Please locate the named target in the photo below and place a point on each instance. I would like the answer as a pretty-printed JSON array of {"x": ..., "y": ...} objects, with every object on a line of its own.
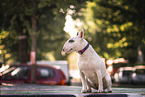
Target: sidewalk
[{"x": 32, "y": 90}]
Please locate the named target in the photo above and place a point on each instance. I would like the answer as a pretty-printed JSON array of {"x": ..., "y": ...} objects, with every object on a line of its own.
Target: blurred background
[{"x": 32, "y": 33}]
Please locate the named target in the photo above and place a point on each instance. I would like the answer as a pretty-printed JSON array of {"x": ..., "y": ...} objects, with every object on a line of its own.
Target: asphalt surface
[{"x": 33, "y": 90}]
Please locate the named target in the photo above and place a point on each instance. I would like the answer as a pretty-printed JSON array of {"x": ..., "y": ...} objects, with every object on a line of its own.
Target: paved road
[{"x": 33, "y": 90}]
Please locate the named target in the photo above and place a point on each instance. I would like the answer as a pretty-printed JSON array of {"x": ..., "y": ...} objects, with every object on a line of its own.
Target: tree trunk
[
  {"x": 23, "y": 49},
  {"x": 23, "y": 55},
  {"x": 34, "y": 40}
]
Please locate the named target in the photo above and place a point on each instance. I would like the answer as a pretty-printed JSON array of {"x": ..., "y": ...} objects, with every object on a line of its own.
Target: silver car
[
  {"x": 139, "y": 74},
  {"x": 123, "y": 75}
]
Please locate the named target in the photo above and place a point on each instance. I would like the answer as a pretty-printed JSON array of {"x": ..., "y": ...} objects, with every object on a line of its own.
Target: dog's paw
[
  {"x": 100, "y": 90},
  {"x": 86, "y": 91},
  {"x": 109, "y": 90}
]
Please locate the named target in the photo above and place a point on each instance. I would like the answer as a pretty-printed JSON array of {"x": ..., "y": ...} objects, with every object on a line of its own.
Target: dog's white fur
[{"x": 92, "y": 68}]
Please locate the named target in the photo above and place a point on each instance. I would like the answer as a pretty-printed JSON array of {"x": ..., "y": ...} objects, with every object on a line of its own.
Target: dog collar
[{"x": 83, "y": 50}]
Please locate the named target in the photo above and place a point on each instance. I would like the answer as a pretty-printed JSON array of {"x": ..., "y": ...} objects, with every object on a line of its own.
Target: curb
[
  {"x": 74, "y": 95},
  {"x": 32, "y": 90},
  {"x": 111, "y": 95}
]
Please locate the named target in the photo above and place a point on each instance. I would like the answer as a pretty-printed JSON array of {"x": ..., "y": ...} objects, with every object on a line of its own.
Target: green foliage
[
  {"x": 16, "y": 19},
  {"x": 116, "y": 26}
]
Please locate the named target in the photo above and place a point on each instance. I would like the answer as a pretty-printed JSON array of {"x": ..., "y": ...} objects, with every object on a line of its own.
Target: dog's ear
[{"x": 81, "y": 34}]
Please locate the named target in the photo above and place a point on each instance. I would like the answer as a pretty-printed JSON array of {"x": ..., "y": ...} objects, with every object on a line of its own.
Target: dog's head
[{"x": 75, "y": 43}]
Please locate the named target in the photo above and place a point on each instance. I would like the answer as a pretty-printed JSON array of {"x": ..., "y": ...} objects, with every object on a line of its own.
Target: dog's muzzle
[{"x": 67, "y": 51}]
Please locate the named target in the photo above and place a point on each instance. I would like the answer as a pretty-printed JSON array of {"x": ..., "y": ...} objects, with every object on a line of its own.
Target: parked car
[
  {"x": 45, "y": 74},
  {"x": 123, "y": 75},
  {"x": 64, "y": 66},
  {"x": 139, "y": 74}
]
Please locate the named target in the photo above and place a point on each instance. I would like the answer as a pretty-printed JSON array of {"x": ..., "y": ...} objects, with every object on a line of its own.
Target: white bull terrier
[{"x": 92, "y": 68}]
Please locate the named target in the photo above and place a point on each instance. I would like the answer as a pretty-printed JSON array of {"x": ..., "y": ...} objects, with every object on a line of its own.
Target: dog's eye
[{"x": 71, "y": 41}]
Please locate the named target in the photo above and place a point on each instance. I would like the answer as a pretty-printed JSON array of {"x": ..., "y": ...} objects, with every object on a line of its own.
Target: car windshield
[
  {"x": 16, "y": 73},
  {"x": 8, "y": 70},
  {"x": 140, "y": 71},
  {"x": 127, "y": 73}
]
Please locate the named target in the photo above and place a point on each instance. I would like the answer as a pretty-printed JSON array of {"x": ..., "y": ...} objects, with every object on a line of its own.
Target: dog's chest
[{"x": 87, "y": 69}]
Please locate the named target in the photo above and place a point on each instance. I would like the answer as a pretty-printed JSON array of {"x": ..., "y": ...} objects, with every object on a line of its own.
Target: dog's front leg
[
  {"x": 100, "y": 89},
  {"x": 85, "y": 86}
]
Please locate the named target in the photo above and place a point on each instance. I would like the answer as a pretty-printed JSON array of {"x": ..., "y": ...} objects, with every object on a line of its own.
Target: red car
[{"x": 45, "y": 74}]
